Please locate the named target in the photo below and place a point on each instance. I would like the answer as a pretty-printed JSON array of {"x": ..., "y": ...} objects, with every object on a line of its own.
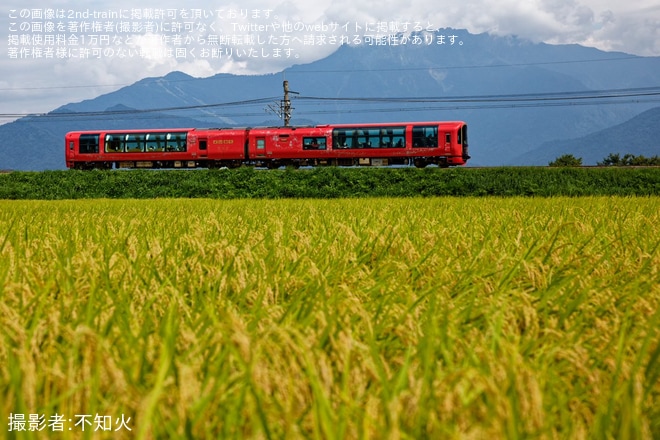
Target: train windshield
[
  {"x": 462, "y": 135},
  {"x": 88, "y": 144}
]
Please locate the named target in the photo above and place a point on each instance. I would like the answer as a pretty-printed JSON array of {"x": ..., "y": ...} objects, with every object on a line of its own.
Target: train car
[
  {"x": 225, "y": 147},
  {"x": 157, "y": 148},
  {"x": 409, "y": 143},
  {"x": 419, "y": 144},
  {"x": 296, "y": 146}
]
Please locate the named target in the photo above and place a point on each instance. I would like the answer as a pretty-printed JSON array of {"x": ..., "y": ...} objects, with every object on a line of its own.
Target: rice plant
[{"x": 344, "y": 318}]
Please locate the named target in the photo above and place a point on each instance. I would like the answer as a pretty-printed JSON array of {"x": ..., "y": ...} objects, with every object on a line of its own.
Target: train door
[
  {"x": 203, "y": 148},
  {"x": 261, "y": 147}
]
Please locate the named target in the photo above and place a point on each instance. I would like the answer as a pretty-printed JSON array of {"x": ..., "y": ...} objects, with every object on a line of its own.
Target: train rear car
[{"x": 157, "y": 148}]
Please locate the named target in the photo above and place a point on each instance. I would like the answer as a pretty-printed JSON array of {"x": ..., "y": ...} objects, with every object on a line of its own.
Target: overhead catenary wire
[
  {"x": 474, "y": 102},
  {"x": 550, "y": 96}
]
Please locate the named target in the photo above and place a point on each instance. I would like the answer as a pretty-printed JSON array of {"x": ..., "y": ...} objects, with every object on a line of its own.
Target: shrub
[{"x": 567, "y": 160}]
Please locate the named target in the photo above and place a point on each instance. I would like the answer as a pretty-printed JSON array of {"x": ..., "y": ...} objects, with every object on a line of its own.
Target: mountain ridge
[
  {"x": 362, "y": 83},
  {"x": 642, "y": 131}
]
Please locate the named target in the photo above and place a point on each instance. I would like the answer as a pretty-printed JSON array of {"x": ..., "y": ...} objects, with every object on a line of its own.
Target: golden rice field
[{"x": 456, "y": 318}]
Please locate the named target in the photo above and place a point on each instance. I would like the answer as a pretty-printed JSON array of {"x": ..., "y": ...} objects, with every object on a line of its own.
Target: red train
[{"x": 405, "y": 143}]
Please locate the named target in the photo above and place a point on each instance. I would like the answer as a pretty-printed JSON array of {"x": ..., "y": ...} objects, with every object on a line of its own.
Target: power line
[
  {"x": 92, "y": 86},
  {"x": 140, "y": 111},
  {"x": 550, "y": 99},
  {"x": 480, "y": 107},
  {"x": 549, "y": 96},
  {"x": 398, "y": 109},
  {"x": 473, "y": 66}
]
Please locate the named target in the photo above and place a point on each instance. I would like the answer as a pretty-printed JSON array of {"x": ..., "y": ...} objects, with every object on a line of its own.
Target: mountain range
[{"x": 525, "y": 103}]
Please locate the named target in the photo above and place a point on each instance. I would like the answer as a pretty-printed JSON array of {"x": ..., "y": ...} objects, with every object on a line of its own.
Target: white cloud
[{"x": 41, "y": 85}]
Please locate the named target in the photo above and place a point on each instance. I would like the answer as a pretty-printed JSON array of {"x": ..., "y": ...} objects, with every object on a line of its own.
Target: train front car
[
  {"x": 407, "y": 143},
  {"x": 440, "y": 143}
]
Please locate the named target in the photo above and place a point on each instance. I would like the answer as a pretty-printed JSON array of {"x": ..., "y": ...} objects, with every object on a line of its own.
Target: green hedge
[{"x": 331, "y": 182}]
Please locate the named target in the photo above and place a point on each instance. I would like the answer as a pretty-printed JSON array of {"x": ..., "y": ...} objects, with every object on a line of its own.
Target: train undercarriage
[{"x": 419, "y": 162}]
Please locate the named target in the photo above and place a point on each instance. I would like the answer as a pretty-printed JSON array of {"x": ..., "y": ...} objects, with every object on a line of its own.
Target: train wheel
[{"x": 420, "y": 163}]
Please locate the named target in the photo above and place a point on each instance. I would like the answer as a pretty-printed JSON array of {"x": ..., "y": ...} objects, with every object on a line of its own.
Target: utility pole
[
  {"x": 284, "y": 109},
  {"x": 286, "y": 105}
]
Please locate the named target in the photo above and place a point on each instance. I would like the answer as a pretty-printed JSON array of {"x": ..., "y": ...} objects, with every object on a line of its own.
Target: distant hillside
[
  {"x": 39, "y": 142},
  {"x": 638, "y": 136},
  {"x": 487, "y": 66}
]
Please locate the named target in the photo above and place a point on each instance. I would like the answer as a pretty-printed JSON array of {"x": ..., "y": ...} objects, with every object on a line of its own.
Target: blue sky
[{"x": 58, "y": 51}]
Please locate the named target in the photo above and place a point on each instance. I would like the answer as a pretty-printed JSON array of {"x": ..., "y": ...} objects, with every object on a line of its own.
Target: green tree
[
  {"x": 613, "y": 160},
  {"x": 629, "y": 160},
  {"x": 567, "y": 160}
]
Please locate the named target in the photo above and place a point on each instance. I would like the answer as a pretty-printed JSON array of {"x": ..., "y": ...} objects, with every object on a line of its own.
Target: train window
[
  {"x": 202, "y": 144},
  {"x": 342, "y": 138},
  {"x": 399, "y": 140},
  {"x": 261, "y": 143},
  {"x": 393, "y": 138},
  {"x": 425, "y": 136},
  {"x": 154, "y": 142},
  {"x": 134, "y": 143},
  {"x": 176, "y": 142},
  {"x": 88, "y": 144},
  {"x": 362, "y": 139},
  {"x": 314, "y": 143},
  {"x": 141, "y": 142},
  {"x": 377, "y": 137},
  {"x": 113, "y": 143},
  {"x": 385, "y": 140},
  {"x": 448, "y": 138}
]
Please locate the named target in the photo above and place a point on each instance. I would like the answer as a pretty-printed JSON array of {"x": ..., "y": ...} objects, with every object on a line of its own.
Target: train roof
[
  {"x": 132, "y": 130},
  {"x": 393, "y": 124},
  {"x": 295, "y": 127}
]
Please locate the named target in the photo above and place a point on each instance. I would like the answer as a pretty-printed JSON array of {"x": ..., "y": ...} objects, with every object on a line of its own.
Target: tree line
[{"x": 613, "y": 160}]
